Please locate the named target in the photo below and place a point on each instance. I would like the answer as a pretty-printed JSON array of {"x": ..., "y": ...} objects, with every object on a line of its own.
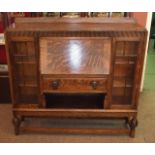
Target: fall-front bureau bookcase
[{"x": 87, "y": 68}]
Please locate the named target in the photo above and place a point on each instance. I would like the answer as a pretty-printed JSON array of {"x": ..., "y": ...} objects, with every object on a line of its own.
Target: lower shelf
[
  {"x": 22, "y": 124},
  {"x": 109, "y": 131},
  {"x": 108, "y": 128},
  {"x": 121, "y": 100}
]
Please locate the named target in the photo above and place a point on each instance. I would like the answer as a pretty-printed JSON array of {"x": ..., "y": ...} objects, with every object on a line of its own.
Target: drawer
[{"x": 74, "y": 85}]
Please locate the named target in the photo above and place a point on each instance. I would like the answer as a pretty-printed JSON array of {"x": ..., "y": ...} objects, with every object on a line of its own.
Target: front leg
[
  {"x": 16, "y": 122},
  {"x": 133, "y": 124}
]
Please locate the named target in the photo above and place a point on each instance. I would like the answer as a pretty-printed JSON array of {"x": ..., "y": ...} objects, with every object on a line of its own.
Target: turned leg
[
  {"x": 16, "y": 122},
  {"x": 126, "y": 120},
  {"x": 133, "y": 123}
]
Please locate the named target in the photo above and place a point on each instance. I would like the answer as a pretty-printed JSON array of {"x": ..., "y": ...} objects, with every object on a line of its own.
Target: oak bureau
[{"x": 76, "y": 68}]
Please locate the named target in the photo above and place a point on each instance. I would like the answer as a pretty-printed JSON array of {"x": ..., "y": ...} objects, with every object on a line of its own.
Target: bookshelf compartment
[
  {"x": 27, "y": 94},
  {"x": 126, "y": 48},
  {"x": 124, "y": 70}
]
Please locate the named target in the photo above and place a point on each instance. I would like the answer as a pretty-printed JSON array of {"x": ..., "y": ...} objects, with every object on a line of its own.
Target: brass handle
[
  {"x": 55, "y": 84},
  {"x": 94, "y": 84}
]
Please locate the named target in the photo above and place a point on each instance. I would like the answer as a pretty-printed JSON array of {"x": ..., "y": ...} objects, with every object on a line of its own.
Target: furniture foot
[
  {"x": 133, "y": 123},
  {"x": 16, "y": 122}
]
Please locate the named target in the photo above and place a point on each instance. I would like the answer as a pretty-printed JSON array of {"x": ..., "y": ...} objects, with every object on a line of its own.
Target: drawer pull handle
[
  {"x": 94, "y": 84},
  {"x": 55, "y": 84}
]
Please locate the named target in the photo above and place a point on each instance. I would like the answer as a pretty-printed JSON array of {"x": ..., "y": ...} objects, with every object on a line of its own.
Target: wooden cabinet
[{"x": 76, "y": 68}]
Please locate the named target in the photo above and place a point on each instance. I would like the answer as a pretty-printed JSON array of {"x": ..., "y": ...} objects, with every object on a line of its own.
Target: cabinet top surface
[
  {"x": 70, "y": 55},
  {"x": 76, "y": 24}
]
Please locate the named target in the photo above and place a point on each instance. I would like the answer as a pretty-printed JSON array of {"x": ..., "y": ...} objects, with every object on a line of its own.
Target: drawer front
[{"x": 77, "y": 85}]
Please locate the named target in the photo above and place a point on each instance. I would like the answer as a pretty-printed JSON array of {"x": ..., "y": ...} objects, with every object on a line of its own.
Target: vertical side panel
[
  {"x": 23, "y": 62},
  {"x": 127, "y": 60}
]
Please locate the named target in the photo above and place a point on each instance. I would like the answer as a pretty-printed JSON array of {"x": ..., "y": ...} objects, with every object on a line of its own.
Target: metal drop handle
[
  {"x": 94, "y": 84},
  {"x": 55, "y": 84}
]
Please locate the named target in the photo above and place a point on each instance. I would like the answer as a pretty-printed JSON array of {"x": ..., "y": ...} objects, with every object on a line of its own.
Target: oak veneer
[{"x": 76, "y": 56}]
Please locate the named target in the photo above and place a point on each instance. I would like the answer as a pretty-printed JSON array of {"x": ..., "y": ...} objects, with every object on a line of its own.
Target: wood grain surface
[
  {"x": 43, "y": 51},
  {"x": 75, "y": 55}
]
